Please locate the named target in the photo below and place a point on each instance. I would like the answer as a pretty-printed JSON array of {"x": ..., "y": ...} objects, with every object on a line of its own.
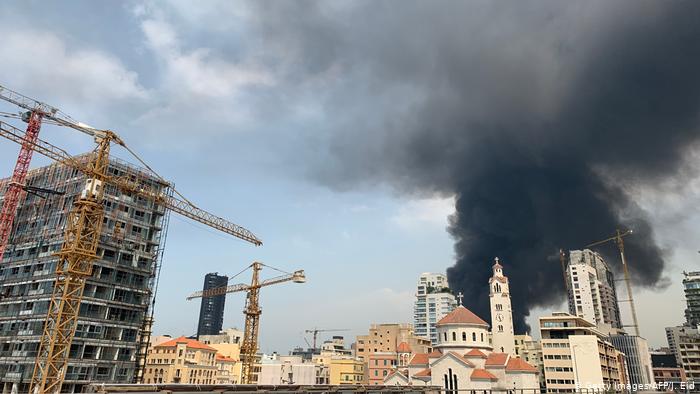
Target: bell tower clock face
[{"x": 499, "y": 317}]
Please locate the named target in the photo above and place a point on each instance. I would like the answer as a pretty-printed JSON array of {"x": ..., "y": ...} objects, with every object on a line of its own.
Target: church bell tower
[{"x": 501, "y": 311}]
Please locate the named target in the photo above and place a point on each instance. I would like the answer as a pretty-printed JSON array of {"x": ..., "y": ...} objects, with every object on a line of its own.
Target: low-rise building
[
  {"x": 346, "y": 370},
  {"x": 228, "y": 370},
  {"x": 530, "y": 351},
  {"x": 283, "y": 370},
  {"x": 577, "y": 356},
  {"x": 181, "y": 360},
  {"x": 229, "y": 335},
  {"x": 386, "y": 337},
  {"x": 379, "y": 366}
]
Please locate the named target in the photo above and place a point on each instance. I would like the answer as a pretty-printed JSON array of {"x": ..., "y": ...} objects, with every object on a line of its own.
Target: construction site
[{"x": 82, "y": 241}]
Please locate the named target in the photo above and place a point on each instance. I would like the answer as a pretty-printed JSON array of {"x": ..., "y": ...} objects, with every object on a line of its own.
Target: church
[{"x": 468, "y": 356}]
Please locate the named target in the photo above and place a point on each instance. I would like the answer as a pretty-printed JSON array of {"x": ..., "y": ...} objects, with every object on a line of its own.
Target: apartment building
[
  {"x": 181, "y": 360},
  {"x": 387, "y": 337},
  {"x": 113, "y": 327},
  {"x": 591, "y": 289},
  {"x": 691, "y": 288},
  {"x": 577, "y": 356},
  {"x": 346, "y": 370},
  {"x": 689, "y": 353},
  {"x": 283, "y": 370},
  {"x": 434, "y": 300},
  {"x": 379, "y": 366}
]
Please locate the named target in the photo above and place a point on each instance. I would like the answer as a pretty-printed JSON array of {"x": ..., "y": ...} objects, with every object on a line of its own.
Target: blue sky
[{"x": 246, "y": 128}]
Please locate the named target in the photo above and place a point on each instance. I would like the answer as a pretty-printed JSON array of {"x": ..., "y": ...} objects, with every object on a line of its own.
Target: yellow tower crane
[
  {"x": 81, "y": 239},
  {"x": 617, "y": 238},
  {"x": 249, "y": 347}
]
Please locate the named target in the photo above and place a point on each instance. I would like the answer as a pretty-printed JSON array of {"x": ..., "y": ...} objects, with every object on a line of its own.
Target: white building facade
[
  {"x": 501, "y": 311},
  {"x": 434, "y": 300},
  {"x": 591, "y": 289},
  {"x": 463, "y": 360}
]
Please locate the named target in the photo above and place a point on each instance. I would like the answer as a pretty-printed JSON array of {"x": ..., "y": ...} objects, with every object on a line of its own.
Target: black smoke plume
[{"x": 538, "y": 116}]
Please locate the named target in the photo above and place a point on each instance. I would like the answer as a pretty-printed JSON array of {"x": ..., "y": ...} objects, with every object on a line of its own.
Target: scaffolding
[{"x": 116, "y": 313}]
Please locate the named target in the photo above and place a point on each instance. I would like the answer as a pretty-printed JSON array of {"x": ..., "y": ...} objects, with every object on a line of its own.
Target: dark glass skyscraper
[{"x": 211, "y": 312}]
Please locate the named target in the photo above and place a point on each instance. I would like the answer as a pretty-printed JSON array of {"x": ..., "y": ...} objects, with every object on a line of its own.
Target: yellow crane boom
[{"x": 249, "y": 347}]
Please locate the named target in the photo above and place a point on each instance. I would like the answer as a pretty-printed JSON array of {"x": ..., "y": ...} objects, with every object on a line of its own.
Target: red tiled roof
[
  {"x": 220, "y": 357},
  {"x": 191, "y": 343},
  {"x": 518, "y": 364},
  {"x": 462, "y": 315},
  {"x": 476, "y": 353},
  {"x": 419, "y": 359},
  {"x": 403, "y": 348},
  {"x": 435, "y": 354},
  {"x": 423, "y": 373},
  {"x": 496, "y": 360},
  {"x": 459, "y": 356},
  {"x": 482, "y": 374}
]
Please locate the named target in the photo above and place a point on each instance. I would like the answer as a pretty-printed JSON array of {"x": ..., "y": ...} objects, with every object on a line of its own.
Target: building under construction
[{"x": 114, "y": 324}]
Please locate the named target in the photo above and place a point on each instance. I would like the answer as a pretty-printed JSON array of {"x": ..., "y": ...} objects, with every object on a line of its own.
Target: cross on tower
[{"x": 459, "y": 297}]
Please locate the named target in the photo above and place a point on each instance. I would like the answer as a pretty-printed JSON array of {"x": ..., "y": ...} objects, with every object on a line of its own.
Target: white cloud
[
  {"x": 431, "y": 212},
  {"x": 198, "y": 71},
  {"x": 41, "y": 62}
]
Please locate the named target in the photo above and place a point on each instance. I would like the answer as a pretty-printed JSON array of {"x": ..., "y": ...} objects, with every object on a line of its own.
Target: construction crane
[
  {"x": 617, "y": 238},
  {"x": 315, "y": 332},
  {"x": 36, "y": 112},
  {"x": 252, "y": 311},
  {"x": 79, "y": 248}
]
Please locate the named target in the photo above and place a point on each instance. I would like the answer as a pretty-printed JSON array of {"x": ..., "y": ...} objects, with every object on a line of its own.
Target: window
[
  {"x": 464, "y": 336},
  {"x": 454, "y": 336},
  {"x": 474, "y": 336},
  {"x": 500, "y": 328},
  {"x": 482, "y": 337}
]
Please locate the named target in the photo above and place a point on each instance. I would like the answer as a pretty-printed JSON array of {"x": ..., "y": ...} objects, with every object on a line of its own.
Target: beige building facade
[
  {"x": 577, "y": 356},
  {"x": 181, "y": 360},
  {"x": 384, "y": 338}
]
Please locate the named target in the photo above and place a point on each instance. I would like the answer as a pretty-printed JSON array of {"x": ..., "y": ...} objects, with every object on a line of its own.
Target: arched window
[
  {"x": 500, "y": 328},
  {"x": 444, "y": 334},
  {"x": 474, "y": 336},
  {"x": 501, "y": 349},
  {"x": 482, "y": 337},
  {"x": 454, "y": 336},
  {"x": 464, "y": 336}
]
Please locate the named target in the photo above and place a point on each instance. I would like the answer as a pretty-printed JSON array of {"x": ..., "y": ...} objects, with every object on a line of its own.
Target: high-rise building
[
  {"x": 434, "y": 300},
  {"x": 110, "y": 335},
  {"x": 577, "y": 356},
  {"x": 591, "y": 286},
  {"x": 211, "y": 311},
  {"x": 637, "y": 357},
  {"x": 501, "y": 311},
  {"x": 691, "y": 286}
]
